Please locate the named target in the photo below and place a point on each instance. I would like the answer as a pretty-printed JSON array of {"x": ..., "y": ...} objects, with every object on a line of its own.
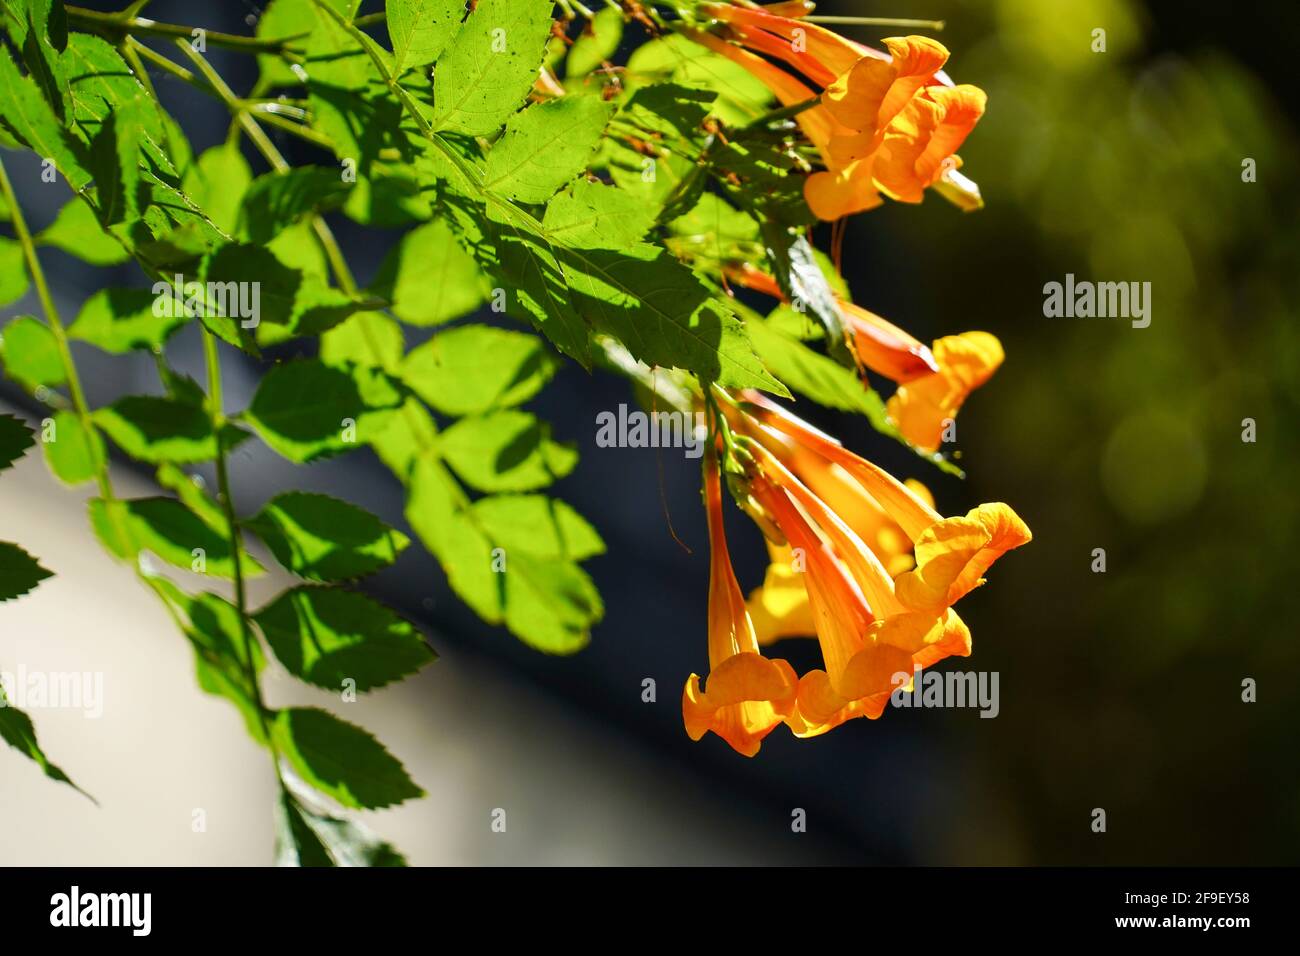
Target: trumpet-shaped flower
[
  {"x": 922, "y": 405},
  {"x": 872, "y": 621},
  {"x": 888, "y": 123},
  {"x": 745, "y": 695}
]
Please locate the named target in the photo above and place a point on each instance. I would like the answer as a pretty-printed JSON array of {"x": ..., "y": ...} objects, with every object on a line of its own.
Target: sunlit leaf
[
  {"x": 326, "y": 539},
  {"x": 31, "y": 353},
  {"x": 154, "y": 429},
  {"x": 428, "y": 277},
  {"x": 119, "y": 320},
  {"x": 546, "y": 146},
  {"x": 475, "y": 368},
  {"x": 74, "y": 453},
  {"x": 340, "y": 759},
  {"x": 419, "y": 30},
  {"x": 167, "y": 528},
  {"x": 490, "y": 66},
  {"x": 307, "y": 410},
  {"x": 326, "y": 636},
  {"x": 77, "y": 232},
  {"x": 506, "y": 451}
]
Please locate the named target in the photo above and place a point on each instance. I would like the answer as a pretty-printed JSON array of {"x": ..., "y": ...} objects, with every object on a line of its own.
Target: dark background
[{"x": 1120, "y": 690}]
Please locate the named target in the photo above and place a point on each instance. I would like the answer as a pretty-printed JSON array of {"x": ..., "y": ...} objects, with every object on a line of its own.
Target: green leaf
[
  {"x": 18, "y": 731},
  {"x": 100, "y": 83},
  {"x": 388, "y": 195},
  {"x": 280, "y": 20},
  {"x": 275, "y": 201},
  {"x": 325, "y": 539},
  {"x": 491, "y": 65},
  {"x": 19, "y": 572},
  {"x": 545, "y": 527},
  {"x": 317, "y": 308},
  {"x": 410, "y": 432},
  {"x": 671, "y": 110},
  {"x": 237, "y": 272},
  {"x": 297, "y": 248},
  {"x": 168, "y": 529},
  {"x": 550, "y": 605},
  {"x": 419, "y": 30},
  {"x": 815, "y": 376},
  {"x": 307, "y": 410},
  {"x": 154, "y": 429},
  {"x": 530, "y": 267},
  {"x": 73, "y": 453},
  {"x": 31, "y": 353},
  {"x": 596, "y": 44},
  {"x": 119, "y": 320},
  {"x": 546, "y": 146},
  {"x": 296, "y": 843},
  {"x": 802, "y": 280},
  {"x": 340, "y": 759},
  {"x": 326, "y": 636},
  {"x": 475, "y": 368},
  {"x": 542, "y": 597},
  {"x": 347, "y": 101},
  {"x": 661, "y": 311},
  {"x": 46, "y": 35},
  {"x": 506, "y": 451},
  {"x": 27, "y": 115},
  {"x": 592, "y": 215},
  {"x": 15, "y": 439},
  {"x": 717, "y": 232},
  {"x": 305, "y": 837},
  {"x": 217, "y": 183},
  {"x": 333, "y": 56},
  {"x": 370, "y": 339},
  {"x": 428, "y": 277},
  {"x": 77, "y": 232},
  {"x": 115, "y": 160},
  {"x": 189, "y": 489},
  {"x": 741, "y": 97},
  {"x": 13, "y": 271},
  {"x": 215, "y": 631}
]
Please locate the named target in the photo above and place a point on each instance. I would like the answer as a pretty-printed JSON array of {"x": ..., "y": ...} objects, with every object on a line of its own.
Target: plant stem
[
  {"x": 115, "y": 26},
  {"x": 52, "y": 317},
  {"x": 876, "y": 22},
  {"x": 217, "y": 415}
]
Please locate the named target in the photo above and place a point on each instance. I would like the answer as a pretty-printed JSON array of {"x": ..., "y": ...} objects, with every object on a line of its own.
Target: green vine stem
[
  {"x": 52, "y": 318},
  {"x": 217, "y": 415},
  {"x": 116, "y": 25}
]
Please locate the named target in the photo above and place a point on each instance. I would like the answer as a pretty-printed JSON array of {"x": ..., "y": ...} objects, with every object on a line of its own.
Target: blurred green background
[{"x": 1122, "y": 690}]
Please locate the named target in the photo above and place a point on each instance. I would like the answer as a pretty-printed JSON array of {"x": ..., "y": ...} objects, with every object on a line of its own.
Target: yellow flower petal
[
  {"x": 952, "y": 555},
  {"x": 920, "y": 407}
]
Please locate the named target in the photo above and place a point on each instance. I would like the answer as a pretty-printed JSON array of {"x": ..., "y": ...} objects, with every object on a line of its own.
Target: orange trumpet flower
[
  {"x": 746, "y": 695},
  {"x": 879, "y": 611},
  {"x": 888, "y": 123}
]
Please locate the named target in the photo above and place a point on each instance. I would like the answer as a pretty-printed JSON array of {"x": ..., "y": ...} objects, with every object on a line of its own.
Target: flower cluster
[
  {"x": 885, "y": 122},
  {"x": 859, "y": 559}
]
